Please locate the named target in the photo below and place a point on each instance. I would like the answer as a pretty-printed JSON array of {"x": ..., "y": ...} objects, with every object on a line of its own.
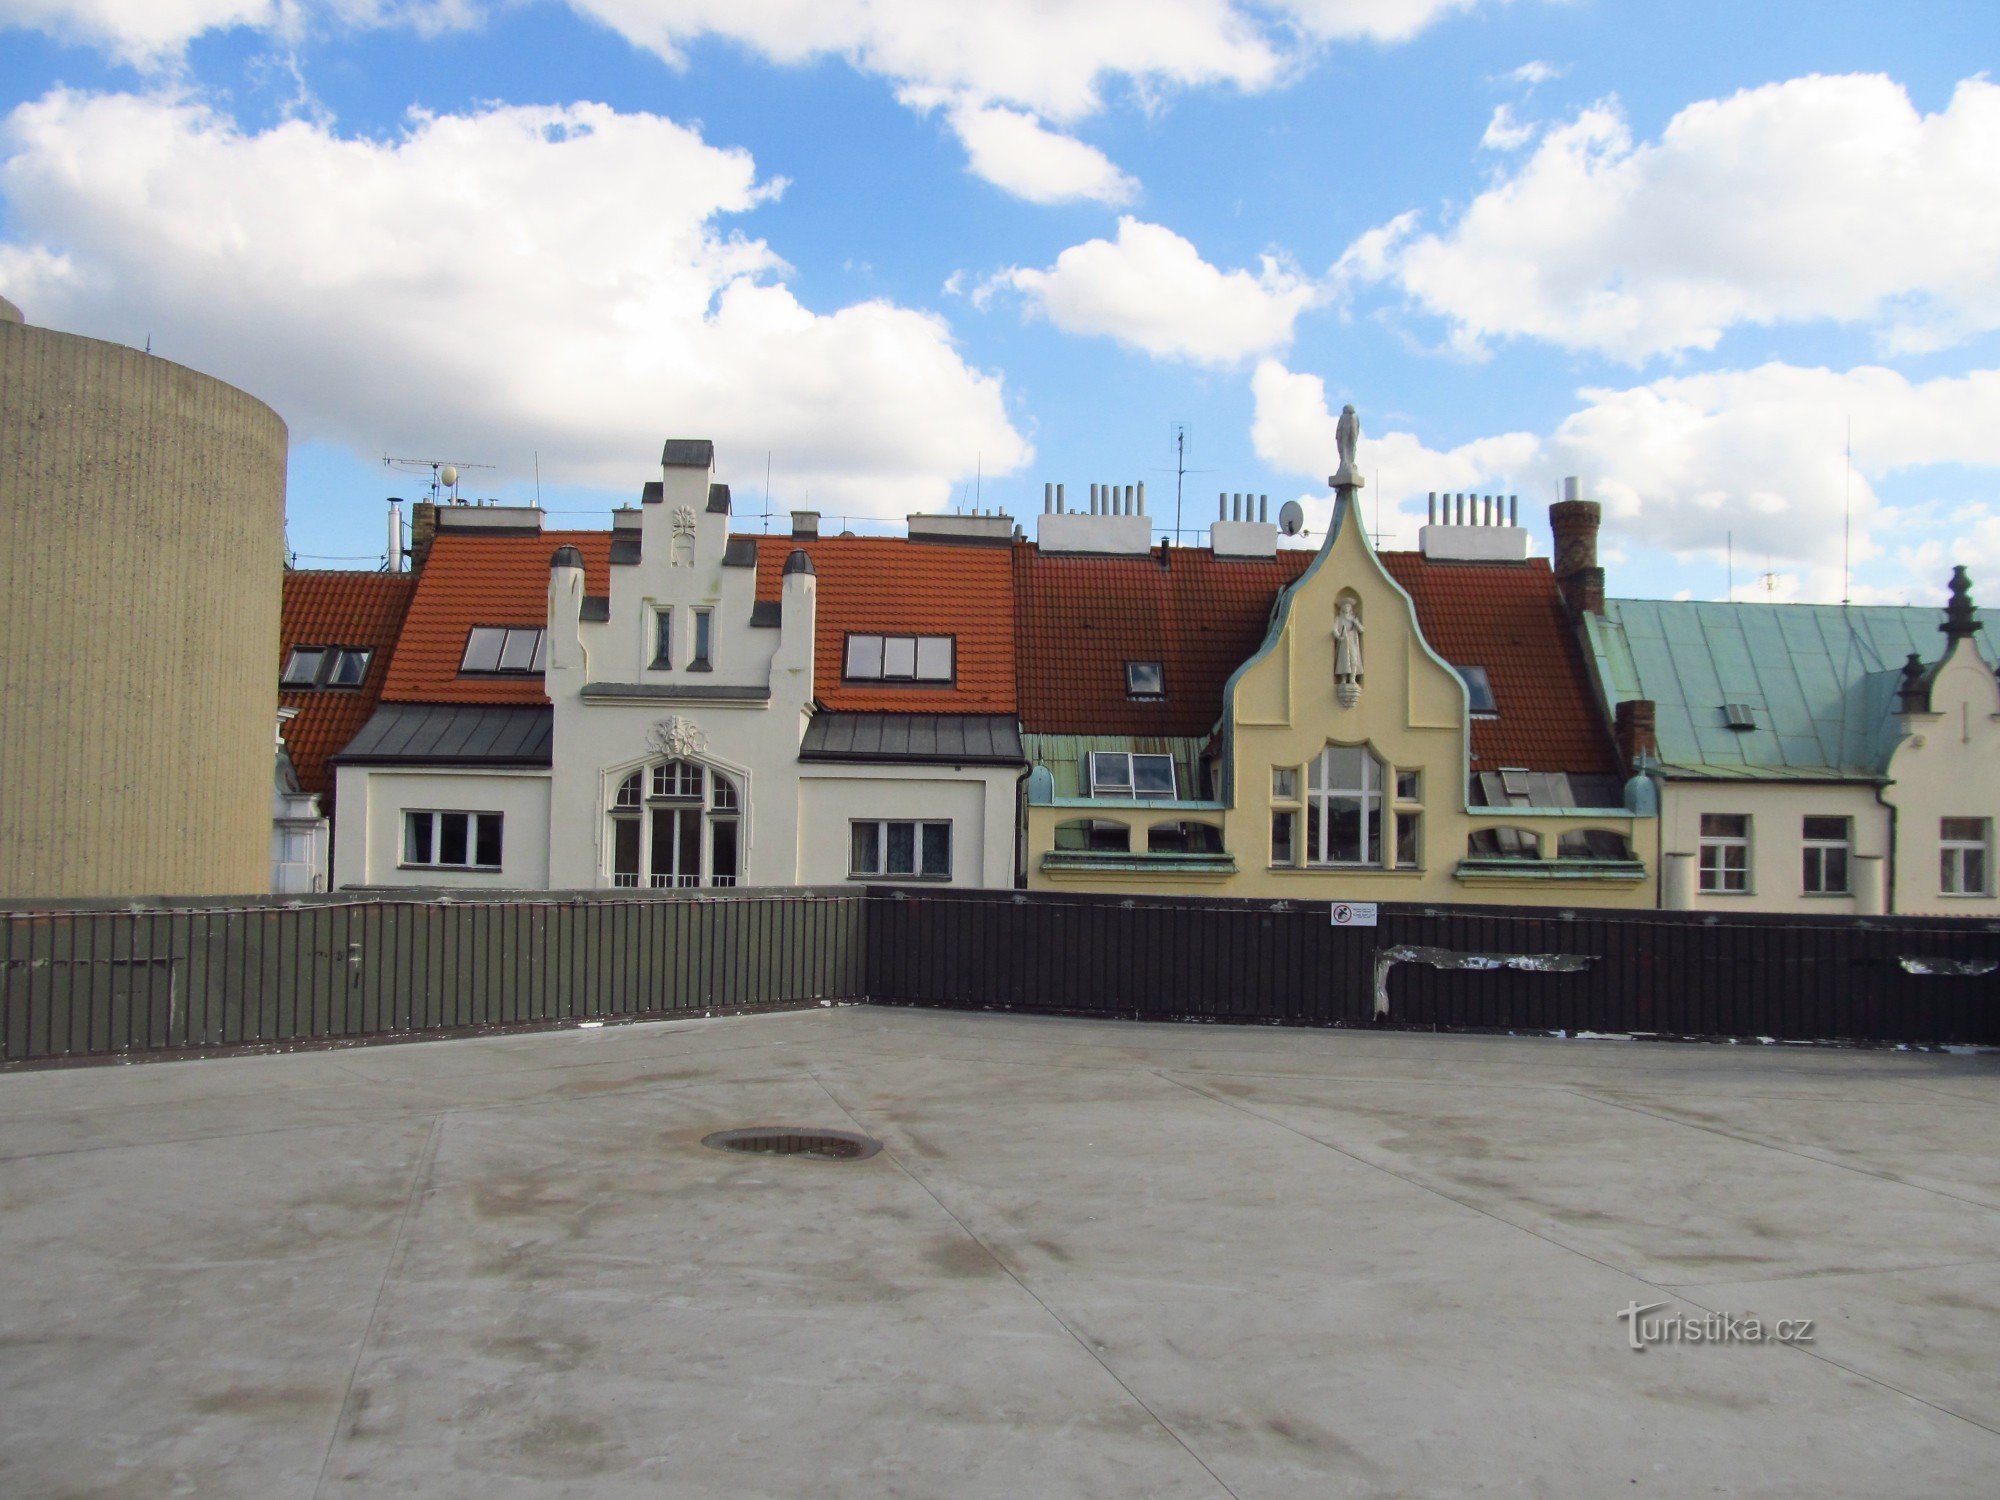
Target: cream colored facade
[
  {"x": 1282, "y": 708},
  {"x": 142, "y": 519},
  {"x": 1947, "y": 765},
  {"x": 1776, "y": 813}
]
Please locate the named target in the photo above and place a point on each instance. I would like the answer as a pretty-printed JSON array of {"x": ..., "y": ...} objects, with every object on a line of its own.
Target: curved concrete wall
[{"x": 142, "y": 537}]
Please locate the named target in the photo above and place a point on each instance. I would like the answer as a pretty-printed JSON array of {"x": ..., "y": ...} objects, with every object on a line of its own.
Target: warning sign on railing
[{"x": 1354, "y": 913}]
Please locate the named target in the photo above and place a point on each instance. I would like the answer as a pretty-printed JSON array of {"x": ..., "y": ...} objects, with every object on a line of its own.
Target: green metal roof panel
[{"x": 1821, "y": 679}]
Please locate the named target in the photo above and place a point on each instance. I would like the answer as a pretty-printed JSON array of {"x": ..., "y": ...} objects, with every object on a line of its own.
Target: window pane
[
  {"x": 628, "y": 792},
  {"x": 1826, "y": 828},
  {"x": 541, "y": 661},
  {"x": 1409, "y": 786},
  {"x": 1345, "y": 767},
  {"x": 1409, "y": 839},
  {"x": 1144, "y": 679},
  {"x": 1836, "y": 870},
  {"x": 1963, "y": 830},
  {"x": 687, "y": 864},
  {"x": 934, "y": 658},
  {"x": 1285, "y": 783},
  {"x": 416, "y": 838},
  {"x": 661, "y": 865},
  {"x": 865, "y": 857},
  {"x": 482, "y": 649},
  {"x": 1110, "y": 772},
  {"x": 902, "y": 849},
  {"x": 864, "y": 656},
  {"x": 452, "y": 840},
  {"x": 1315, "y": 851},
  {"x": 349, "y": 668},
  {"x": 1975, "y": 871},
  {"x": 725, "y": 791},
  {"x": 487, "y": 849},
  {"x": 1343, "y": 833},
  {"x": 1724, "y": 825},
  {"x": 1152, "y": 776},
  {"x": 1282, "y": 826},
  {"x": 624, "y": 851},
  {"x": 937, "y": 848},
  {"x": 1478, "y": 689},
  {"x": 899, "y": 656},
  {"x": 517, "y": 654},
  {"x": 699, "y": 656},
  {"x": 302, "y": 670},
  {"x": 722, "y": 850},
  {"x": 663, "y": 638}
]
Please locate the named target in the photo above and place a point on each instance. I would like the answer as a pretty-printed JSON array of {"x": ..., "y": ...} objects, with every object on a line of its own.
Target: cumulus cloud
[
  {"x": 1371, "y": 20},
  {"x": 549, "y": 278},
  {"x": 144, "y": 33},
  {"x": 1683, "y": 463},
  {"x": 1816, "y": 198},
  {"x": 1017, "y": 153},
  {"x": 1151, "y": 290},
  {"x": 1505, "y": 133}
]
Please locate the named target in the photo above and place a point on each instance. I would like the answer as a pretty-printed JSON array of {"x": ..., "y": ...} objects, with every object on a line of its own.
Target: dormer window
[
  {"x": 1114, "y": 773},
  {"x": 505, "y": 650},
  {"x": 325, "y": 667},
  {"x": 900, "y": 658},
  {"x": 1145, "y": 679},
  {"x": 1479, "y": 691}
]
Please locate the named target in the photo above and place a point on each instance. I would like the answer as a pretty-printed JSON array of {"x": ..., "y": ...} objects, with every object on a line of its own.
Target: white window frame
[
  {"x": 434, "y": 816},
  {"x": 1712, "y": 876},
  {"x": 538, "y": 651},
  {"x": 1813, "y": 855},
  {"x": 663, "y": 639},
  {"x": 1955, "y": 855},
  {"x": 919, "y": 829},
  {"x": 865, "y": 658},
  {"x": 1322, "y": 795},
  {"x": 1103, "y": 783},
  {"x": 327, "y": 662},
  {"x": 1139, "y": 672},
  {"x": 713, "y": 794}
]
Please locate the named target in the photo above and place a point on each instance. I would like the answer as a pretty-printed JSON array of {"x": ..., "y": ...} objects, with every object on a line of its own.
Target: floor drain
[{"x": 780, "y": 1140}]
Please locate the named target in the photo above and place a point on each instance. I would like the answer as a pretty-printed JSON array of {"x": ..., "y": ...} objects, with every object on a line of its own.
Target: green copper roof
[{"x": 1819, "y": 678}]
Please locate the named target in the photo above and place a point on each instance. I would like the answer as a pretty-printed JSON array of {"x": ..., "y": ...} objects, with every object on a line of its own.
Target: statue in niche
[
  {"x": 1347, "y": 632},
  {"x": 680, "y": 551}
]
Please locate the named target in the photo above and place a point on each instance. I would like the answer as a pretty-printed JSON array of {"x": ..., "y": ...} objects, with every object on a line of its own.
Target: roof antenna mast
[
  {"x": 1180, "y": 473},
  {"x": 1847, "y": 520}
]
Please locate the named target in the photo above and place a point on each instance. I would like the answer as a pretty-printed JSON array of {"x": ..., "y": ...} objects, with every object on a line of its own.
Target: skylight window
[
  {"x": 325, "y": 666},
  {"x": 1479, "y": 690},
  {"x": 899, "y": 658},
  {"x": 510, "y": 650},
  {"x": 1145, "y": 679},
  {"x": 1739, "y": 716}
]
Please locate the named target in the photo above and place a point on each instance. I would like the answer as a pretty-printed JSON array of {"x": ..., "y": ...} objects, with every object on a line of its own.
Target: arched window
[
  {"x": 673, "y": 824},
  {"x": 1344, "y": 807}
]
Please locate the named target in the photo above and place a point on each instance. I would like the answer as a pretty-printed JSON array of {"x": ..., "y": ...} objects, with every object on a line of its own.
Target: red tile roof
[
  {"x": 888, "y": 585},
  {"x": 323, "y": 608},
  {"x": 469, "y": 580},
  {"x": 1080, "y": 619},
  {"x": 1509, "y": 618},
  {"x": 864, "y": 584}
]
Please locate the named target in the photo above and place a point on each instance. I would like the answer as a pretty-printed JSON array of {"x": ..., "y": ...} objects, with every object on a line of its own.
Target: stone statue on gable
[{"x": 1347, "y": 633}]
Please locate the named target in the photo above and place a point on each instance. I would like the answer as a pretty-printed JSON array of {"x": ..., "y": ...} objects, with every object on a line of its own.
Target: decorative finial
[
  {"x": 1961, "y": 615},
  {"x": 1347, "y": 435},
  {"x": 1914, "y": 691}
]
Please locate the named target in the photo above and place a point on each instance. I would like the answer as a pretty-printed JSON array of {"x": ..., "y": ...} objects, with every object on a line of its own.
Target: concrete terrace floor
[{"x": 1095, "y": 1259}]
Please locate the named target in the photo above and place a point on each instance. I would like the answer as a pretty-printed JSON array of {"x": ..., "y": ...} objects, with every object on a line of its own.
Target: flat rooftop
[{"x": 1093, "y": 1259}]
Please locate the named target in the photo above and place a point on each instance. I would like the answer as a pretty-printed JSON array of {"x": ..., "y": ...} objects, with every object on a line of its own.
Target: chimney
[
  {"x": 1632, "y": 728},
  {"x": 805, "y": 525},
  {"x": 395, "y": 534},
  {"x": 423, "y": 531},
  {"x": 1574, "y": 522},
  {"x": 565, "y": 617}
]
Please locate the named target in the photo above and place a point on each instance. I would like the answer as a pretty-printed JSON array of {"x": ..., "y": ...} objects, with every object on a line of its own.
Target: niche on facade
[
  {"x": 1184, "y": 838},
  {"x": 1094, "y": 835},
  {"x": 1347, "y": 654}
]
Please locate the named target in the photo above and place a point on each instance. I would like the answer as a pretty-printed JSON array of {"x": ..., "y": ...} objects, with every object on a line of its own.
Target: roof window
[
  {"x": 1114, "y": 773},
  {"x": 899, "y": 658},
  {"x": 1739, "y": 716},
  {"x": 325, "y": 666},
  {"x": 1145, "y": 679},
  {"x": 505, "y": 650},
  {"x": 1479, "y": 690}
]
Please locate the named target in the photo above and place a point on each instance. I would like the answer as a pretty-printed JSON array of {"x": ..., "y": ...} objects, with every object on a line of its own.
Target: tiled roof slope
[
  {"x": 471, "y": 580},
  {"x": 1509, "y": 618},
  {"x": 326, "y": 608},
  {"x": 1080, "y": 619},
  {"x": 1821, "y": 679},
  {"x": 889, "y": 585}
]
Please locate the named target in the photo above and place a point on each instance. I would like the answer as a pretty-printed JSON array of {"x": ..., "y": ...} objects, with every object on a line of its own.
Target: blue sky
[{"x": 909, "y": 251}]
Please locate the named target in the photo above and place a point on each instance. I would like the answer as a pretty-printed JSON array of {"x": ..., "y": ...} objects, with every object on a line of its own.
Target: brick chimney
[
  {"x": 1632, "y": 728},
  {"x": 423, "y": 531},
  {"x": 1574, "y": 521}
]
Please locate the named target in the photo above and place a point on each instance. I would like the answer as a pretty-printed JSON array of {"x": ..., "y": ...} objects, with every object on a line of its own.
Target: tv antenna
[
  {"x": 1847, "y": 521},
  {"x": 445, "y": 474},
  {"x": 1181, "y": 471}
]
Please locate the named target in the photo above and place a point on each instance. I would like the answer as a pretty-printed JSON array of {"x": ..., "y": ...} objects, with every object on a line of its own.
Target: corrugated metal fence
[{"x": 109, "y": 978}]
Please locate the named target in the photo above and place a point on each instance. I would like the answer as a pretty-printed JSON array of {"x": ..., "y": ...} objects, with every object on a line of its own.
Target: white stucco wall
[
  {"x": 368, "y": 839},
  {"x": 978, "y": 801},
  {"x": 1777, "y": 811},
  {"x": 1947, "y": 766}
]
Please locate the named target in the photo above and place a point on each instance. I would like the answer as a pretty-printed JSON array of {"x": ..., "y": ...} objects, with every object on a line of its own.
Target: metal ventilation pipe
[
  {"x": 1432, "y": 509},
  {"x": 1131, "y": 502},
  {"x": 1142, "y": 497},
  {"x": 1061, "y": 504},
  {"x": 1513, "y": 510},
  {"x": 1264, "y": 508},
  {"x": 1222, "y": 506}
]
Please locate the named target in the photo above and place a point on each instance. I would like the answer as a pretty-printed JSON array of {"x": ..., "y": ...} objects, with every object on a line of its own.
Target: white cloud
[
  {"x": 1817, "y": 198},
  {"x": 1373, "y": 20},
  {"x": 144, "y": 33},
  {"x": 1293, "y": 430},
  {"x": 1683, "y": 463},
  {"x": 524, "y": 278},
  {"x": 1505, "y": 133},
  {"x": 1018, "y": 154},
  {"x": 1534, "y": 73},
  {"x": 1151, "y": 290}
]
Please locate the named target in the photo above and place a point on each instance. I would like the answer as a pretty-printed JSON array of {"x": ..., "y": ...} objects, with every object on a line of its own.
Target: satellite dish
[
  {"x": 1291, "y": 518},
  {"x": 448, "y": 475}
]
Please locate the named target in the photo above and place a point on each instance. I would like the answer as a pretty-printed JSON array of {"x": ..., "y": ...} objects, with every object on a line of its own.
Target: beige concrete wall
[
  {"x": 368, "y": 842},
  {"x": 1777, "y": 811},
  {"x": 142, "y": 527},
  {"x": 978, "y": 801},
  {"x": 1948, "y": 766}
]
